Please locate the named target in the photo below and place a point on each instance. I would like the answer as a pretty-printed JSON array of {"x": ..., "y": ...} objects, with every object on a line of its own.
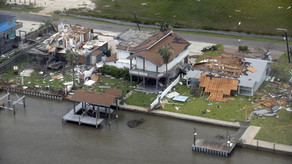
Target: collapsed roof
[
  {"x": 218, "y": 87},
  {"x": 223, "y": 65}
]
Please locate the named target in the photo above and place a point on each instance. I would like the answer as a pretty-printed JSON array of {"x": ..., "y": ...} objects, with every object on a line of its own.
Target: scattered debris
[{"x": 180, "y": 98}]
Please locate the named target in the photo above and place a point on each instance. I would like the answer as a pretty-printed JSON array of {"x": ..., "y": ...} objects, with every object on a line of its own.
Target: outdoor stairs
[{"x": 235, "y": 138}]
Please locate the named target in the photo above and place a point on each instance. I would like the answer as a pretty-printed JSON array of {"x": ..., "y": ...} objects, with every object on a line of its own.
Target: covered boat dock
[{"x": 91, "y": 105}]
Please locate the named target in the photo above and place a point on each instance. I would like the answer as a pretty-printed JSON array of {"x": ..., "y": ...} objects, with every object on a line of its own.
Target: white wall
[
  {"x": 149, "y": 66},
  {"x": 121, "y": 54}
]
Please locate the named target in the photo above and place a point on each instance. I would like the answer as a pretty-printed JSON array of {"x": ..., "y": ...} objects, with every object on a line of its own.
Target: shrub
[
  {"x": 210, "y": 48},
  {"x": 243, "y": 48},
  {"x": 115, "y": 72}
]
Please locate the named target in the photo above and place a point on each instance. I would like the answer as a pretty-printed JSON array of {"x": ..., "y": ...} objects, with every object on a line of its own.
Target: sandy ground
[
  {"x": 28, "y": 26},
  {"x": 53, "y": 5}
]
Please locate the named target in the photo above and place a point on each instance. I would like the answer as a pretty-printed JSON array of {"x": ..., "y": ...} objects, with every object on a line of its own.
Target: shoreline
[{"x": 247, "y": 138}]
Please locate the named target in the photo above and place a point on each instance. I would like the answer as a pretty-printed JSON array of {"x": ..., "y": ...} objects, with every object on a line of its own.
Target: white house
[{"x": 138, "y": 51}]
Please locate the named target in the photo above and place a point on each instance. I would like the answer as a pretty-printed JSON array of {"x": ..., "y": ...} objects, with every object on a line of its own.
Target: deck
[
  {"x": 215, "y": 148},
  {"x": 82, "y": 119}
]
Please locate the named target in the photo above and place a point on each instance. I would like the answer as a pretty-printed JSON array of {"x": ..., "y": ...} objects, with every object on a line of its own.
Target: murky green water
[{"x": 37, "y": 135}]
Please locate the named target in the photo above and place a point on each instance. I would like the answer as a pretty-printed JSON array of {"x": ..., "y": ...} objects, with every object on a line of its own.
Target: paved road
[{"x": 119, "y": 28}]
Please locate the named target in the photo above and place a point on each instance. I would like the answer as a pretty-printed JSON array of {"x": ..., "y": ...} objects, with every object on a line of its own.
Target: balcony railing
[{"x": 139, "y": 72}]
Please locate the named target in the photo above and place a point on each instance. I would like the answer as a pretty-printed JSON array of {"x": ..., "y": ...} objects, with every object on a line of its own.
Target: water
[{"x": 37, "y": 135}]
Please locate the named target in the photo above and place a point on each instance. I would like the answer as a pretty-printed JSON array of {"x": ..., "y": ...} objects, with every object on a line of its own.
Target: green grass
[
  {"x": 262, "y": 16},
  {"x": 141, "y": 99},
  {"x": 211, "y": 53},
  {"x": 6, "y": 58},
  {"x": 57, "y": 84},
  {"x": 112, "y": 82},
  {"x": 178, "y": 31},
  {"x": 278, "y": 130},
  {"x": 228, "y": 111},
  {"x": 21, "y": 8},
  {"x": 281, "y": 68}
]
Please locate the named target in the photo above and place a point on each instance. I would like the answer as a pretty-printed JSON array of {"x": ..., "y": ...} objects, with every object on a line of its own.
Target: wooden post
[
  {"x": 95, "y": 117},
  {"x": 9, "y": 100},
  {"x": 23, "y": 101},
  {"x": 98, "y": 115},
  {"x": 74, "y": 107},
  {"x": 109, "y": 115},
  {"x": 195, "y": 135},
  {"x": 13, "y": 109},
  {"x": 117, "y": 108}
]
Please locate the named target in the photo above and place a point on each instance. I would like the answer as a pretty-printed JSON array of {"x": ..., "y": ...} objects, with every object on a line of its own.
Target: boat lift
[{"x": 9, "y": 101}]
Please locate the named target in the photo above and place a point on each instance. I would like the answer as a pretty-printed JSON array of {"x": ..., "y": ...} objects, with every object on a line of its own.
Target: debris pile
[{"x": 135, "y": 123}]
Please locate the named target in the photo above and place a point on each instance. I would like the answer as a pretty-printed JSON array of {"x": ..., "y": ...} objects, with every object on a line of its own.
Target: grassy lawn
[
  {"x": 278, "y": 130},
  {"x": 211, "y": 53},
  {"x": 262, "y": 16},
  {"x": 42, "y": 80},
  {"x": 112, "y": 82},
  {"x": 6, "y": 58},
  {"x": 228, "y": 111},
  {"x": 141, "y": 99}
]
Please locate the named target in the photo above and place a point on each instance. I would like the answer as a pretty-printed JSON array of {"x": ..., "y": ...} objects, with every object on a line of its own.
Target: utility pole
[{"x": 286, "y": 38}]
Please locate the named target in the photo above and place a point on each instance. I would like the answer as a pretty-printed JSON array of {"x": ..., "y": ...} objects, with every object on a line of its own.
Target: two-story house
[
  {"x": 8, "y": 38},
  {"x": 138, "y": 51}
]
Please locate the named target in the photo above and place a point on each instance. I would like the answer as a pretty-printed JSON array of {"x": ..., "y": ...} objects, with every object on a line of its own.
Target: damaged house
[
  {"x": 220, "y": 75},
  {"x": 138, "y": 51},
  {"x": 8, "y": 38},
  {"x": 78, "y": 38}
]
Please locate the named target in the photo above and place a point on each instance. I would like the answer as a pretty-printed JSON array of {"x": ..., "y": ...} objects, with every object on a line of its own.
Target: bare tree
[{"x": 265, "y": 52}]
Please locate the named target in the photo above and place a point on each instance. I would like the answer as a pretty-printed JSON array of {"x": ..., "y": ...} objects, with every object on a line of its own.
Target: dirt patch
[{"x": 53, "y": 5}]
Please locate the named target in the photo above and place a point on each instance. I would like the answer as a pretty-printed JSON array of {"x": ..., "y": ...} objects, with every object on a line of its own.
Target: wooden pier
[
  {"x": 216, "y": 148},
  {"x": 81, "y": 119}
]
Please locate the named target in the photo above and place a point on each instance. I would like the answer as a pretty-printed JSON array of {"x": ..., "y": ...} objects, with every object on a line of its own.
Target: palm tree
[
  {"x": 72, "y": 59},
  {"x": 165, "y": 52}
]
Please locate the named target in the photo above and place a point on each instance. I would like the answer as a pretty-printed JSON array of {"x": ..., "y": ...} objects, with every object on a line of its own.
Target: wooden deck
[
  {"x": 70, "y": 116},
  {"x": 215, "y": 148}
]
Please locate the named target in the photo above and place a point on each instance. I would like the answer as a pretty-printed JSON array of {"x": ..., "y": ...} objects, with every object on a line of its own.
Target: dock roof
[{"x": 96, "y": 98}]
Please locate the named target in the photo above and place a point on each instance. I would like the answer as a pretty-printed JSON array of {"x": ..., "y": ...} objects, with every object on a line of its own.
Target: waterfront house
[{"x": 138, "y": 51}]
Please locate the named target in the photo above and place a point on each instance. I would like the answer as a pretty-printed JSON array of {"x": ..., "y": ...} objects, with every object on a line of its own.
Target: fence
[{"x": 159, "y": 97}]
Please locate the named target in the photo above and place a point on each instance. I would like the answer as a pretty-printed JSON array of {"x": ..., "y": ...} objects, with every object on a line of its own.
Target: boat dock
[
  {"x": 219, "y": 148},
  {"x": 81, "y": 119},
  {"x": 214, "y": 148}
]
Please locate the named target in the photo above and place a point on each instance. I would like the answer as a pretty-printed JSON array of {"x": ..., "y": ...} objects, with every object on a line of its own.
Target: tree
[
  {"x": 72, "y": 59},
  {"x": 165, "y": 52},
  {"x": 164, "y": 27}
]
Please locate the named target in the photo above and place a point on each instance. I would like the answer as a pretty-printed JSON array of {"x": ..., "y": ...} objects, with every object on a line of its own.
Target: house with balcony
[
  {"x": 8, "y": 38},
  {"x": 138, "y": 51}
]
